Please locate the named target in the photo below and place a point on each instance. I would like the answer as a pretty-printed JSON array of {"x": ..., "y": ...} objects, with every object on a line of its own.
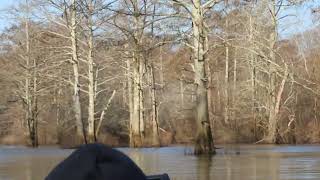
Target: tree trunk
[
  {"x": 137, "y": 120},
  {"x": 181, "y": 92},
  {"x": 35, "y": 142},
  {"x": 91, "y": 78},
  {"x": 253, "y": 78},
  {"x": 135, "y": 129},
  {"x": 80, "y": 130},
  {"x": 130, "y": 79},
  {"x": 155, "y": 123},
  {"x": 274, "y": 100},
  {"x": 141, "y": 96},
  {"x": 161, "y": 69},
  {"x": 226, "y": 89},
  {"x": 97, "y": 130},
  {"x": 273, "y": 133},
  {"x": 204, "y": 140},
  {"x": 234, "y": 94},
  {"x": 31, "y": 88},
  {"x": 27, "y": 85}
]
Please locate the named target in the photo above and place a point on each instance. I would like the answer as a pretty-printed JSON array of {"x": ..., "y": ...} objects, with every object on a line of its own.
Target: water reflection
[
  {"x": 204, "y": 167},
  {"x": 274, "y": 166},
  {"x": 231, "y": 163},
  {"x": 28, "y": 164}
]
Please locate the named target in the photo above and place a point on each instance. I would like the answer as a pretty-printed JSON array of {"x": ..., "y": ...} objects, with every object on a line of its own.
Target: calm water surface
[{"x": 233, "y": 162}]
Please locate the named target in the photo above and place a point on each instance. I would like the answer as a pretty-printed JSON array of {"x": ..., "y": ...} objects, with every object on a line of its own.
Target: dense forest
[{"x": 147, "y": 73}]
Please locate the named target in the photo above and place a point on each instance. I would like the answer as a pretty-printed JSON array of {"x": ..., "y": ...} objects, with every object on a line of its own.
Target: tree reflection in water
[{"x": 204, "y": 164}]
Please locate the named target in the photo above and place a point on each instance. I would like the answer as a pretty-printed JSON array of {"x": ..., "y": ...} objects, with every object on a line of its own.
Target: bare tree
[
  {"x": 69, "y": 20},
  {"x": 139, "y": 34},
  {"x": 196, "y": 11},
  {"x": 28, "y": 88}
]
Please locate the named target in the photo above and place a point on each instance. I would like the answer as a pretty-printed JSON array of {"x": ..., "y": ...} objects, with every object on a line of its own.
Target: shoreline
[{"x": 218, "y": 146}]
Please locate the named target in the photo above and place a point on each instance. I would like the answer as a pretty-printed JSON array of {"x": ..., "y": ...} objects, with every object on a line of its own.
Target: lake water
[{"x": 232, "y": 162}]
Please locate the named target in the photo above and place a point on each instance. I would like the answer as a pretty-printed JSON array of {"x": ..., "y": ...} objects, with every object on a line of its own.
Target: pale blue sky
[
  {"x": 302, "y": 21},
  {"x": 4, "y": 4}
]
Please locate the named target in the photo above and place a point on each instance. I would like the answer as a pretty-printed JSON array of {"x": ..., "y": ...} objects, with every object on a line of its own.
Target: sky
[
  {"x": 4, "y": 4},
  {"x": 301, "y": 21}
]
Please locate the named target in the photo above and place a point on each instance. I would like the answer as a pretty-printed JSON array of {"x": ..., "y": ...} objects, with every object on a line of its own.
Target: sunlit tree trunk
[
  {"x": 154, "y": 114},
  {"x": 272, "y": 120},
  {"x": 137, "y": 123},
  {"x": 226, "y": 89},
  {"x": 275, "y": 95},
  {"x": 31, "y": 101},
  {"x": 76, "y": 82},
  {"x": 136, "y": 129},
  {"x": 34, "y": 117},
  {"x": 253, "y": 76},
  {"x": 181, "y": 92},
  {"x": 91, "y": 78},
  {"x": 204, "y": 140},
  {"x": 97, "y": 129}
]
